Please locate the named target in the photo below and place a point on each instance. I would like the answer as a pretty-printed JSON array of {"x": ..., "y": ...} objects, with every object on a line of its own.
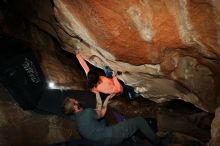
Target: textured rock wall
[
  {"x": 165, "y": 49},
  {"x": 215, "y": 131},
  {"x": 34, "y": 24},
  {"x": 23, "y": 128}
]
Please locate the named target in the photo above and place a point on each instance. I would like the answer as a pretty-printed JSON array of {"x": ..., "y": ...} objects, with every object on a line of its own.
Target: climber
[
  {"x": 89, "y": 126},
  {"x": 108, "y": 84}
]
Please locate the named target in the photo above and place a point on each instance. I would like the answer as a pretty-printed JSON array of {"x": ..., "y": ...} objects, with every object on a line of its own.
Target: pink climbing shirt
[{"x": 105, "y": 85}]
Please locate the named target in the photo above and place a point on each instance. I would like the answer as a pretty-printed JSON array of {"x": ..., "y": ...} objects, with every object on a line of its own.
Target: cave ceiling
[{"x": 165, "y": 49}]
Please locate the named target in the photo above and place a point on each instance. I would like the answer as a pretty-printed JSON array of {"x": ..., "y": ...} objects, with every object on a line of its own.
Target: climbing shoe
[{"x": 132, "y": 95}]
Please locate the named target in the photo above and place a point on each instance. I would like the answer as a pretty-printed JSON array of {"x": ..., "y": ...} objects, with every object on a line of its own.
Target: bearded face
[
  {"x": 72, "y": 106},
  {"x": 76, "y": 105}
]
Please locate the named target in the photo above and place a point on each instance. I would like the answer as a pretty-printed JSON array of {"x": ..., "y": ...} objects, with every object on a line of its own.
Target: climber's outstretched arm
[{"x": 83, "y": 63}]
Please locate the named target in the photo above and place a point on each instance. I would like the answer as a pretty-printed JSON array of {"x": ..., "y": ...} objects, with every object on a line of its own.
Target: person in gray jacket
[{"x": 89, "y": 126}]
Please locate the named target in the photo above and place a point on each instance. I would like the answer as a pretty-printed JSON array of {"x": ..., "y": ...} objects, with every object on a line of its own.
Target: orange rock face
[
  {"x": 177, "y": 41},
  {"x": 139, "y": 28}
]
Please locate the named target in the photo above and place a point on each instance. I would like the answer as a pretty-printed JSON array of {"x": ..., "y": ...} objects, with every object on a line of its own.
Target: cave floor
[{"x": 188, "y": 123}]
